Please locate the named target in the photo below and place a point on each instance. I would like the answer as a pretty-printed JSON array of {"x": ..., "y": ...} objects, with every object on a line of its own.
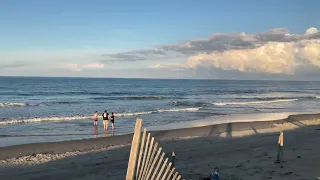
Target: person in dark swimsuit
[
  {"x": 112, "y": 120},
  {"x": 95, "y": 118}
]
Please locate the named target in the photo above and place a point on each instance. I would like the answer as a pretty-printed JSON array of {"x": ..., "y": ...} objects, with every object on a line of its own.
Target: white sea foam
[
  {"x": 254, "y": 102},
  {"x": 157, "y": 111},
  {"x": 34, "y": 120},
  {"x": 133, "y": 113},
  {"x": 70, "y": 118},
  {"x": 179, "y": 110},
  {"x": 318, "y": 97},
  {"x": 12, "y": 104}
]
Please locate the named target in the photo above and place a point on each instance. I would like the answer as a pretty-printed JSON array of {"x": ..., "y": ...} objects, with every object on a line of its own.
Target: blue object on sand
[{"x": 215, "y": 176}]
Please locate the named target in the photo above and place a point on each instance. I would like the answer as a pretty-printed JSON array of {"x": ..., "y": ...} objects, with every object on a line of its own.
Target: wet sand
[{"x": 244, "y": 150}]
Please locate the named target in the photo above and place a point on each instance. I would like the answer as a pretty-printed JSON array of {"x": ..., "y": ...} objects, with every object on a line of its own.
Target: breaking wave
[
  {"x": 187, "y": 103},
  {"x": 284, "y": 98},
  {"x": 254, "y": 102},
  {"x": 13, "y": 104},
  {"x": 40, "y": 119},
  {"x": 59, "y": 102},
  {"x": 87, "y": 117},
  {"x": 129, "y": 98},
  {"x": 20, "y": 104},
  {"x": 157, "y": 111}
]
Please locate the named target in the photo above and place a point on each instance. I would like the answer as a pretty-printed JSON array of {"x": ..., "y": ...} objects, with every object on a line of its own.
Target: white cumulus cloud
[
  {"x": 273, "y": 57},
  {"x": 276, "y": 52},
  {"x": 311, "y": 30}
]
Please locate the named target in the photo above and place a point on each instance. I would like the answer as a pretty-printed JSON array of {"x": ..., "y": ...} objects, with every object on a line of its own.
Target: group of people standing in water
[{"x": 106, "y": 118}]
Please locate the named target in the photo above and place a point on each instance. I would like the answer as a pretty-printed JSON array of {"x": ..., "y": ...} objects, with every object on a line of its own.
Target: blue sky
[{"x": 82, "y": 38}]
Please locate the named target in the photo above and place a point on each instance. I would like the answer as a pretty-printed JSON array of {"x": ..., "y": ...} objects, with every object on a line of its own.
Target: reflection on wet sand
[
  {"x": 96, "y": 133},
  {"x": 105, "y": 132}
]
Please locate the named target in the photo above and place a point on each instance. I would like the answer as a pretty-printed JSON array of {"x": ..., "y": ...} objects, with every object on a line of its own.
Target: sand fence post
[
  {"x": 140, "y": 154},
  {"x": 280, "y": 149},
  {"x": 143, "y": 158},
  {"x": 173, "y": 158},
  {"x": 134, "y": 150}
]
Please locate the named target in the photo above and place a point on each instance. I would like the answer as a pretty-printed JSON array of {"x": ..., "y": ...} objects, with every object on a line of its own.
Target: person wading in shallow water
[
  {"x": 105, "y": 117},
  {"x": 95, "y": 118},
  {"x": 112, "y": 120}
]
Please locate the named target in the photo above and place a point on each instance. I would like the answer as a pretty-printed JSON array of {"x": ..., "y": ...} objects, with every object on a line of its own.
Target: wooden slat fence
[{"x": 147, "y": 160}]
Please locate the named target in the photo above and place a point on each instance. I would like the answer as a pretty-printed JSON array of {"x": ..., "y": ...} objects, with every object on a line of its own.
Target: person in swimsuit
[
  {"x": 112, "y": 120},
  {"x": 95, "y": 118},
  {"x": 105, "y": 118}
]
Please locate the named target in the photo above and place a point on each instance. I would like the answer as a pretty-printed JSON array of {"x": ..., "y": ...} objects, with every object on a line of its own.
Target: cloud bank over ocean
[{"x": 276, "y": 51}]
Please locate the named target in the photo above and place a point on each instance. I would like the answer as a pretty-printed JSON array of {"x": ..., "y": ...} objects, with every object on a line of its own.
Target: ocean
[{"x": 41, "y": 109}]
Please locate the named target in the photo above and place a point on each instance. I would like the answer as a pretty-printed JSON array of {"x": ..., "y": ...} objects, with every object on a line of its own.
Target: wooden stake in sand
[
  {"x": 280, "y": 149},
  {"x": 173, "y": 158},
  {"x": 140, "y": 155}
]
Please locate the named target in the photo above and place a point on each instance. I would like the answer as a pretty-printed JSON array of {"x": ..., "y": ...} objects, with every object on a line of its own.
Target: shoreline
[
  {"x": 241, "y": 150},
  {"x": 91, "y": 144}
]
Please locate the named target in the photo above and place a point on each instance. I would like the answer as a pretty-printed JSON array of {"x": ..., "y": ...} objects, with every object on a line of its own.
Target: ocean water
[{"x": 34, "y": 109}]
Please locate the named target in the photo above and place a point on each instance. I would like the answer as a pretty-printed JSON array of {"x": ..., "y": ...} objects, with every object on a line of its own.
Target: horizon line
[{"x": 214, "y": 79}]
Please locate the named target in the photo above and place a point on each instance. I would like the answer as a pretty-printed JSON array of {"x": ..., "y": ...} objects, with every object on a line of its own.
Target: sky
[{"x": 214, "y": 39}]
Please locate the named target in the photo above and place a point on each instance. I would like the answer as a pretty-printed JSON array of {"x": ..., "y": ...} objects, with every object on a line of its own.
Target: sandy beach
[{"x": 242, "y": 150}]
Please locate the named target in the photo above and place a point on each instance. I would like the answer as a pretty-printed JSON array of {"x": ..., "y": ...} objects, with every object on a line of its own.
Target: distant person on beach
[
  {"x": 105, "y": 117},
  {"x": 95, "y": 118},
  {"x": 112, "y": 120}
]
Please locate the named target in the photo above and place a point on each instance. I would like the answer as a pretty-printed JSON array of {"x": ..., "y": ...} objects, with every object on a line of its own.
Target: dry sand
[{"x": 241, "y": 150}]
